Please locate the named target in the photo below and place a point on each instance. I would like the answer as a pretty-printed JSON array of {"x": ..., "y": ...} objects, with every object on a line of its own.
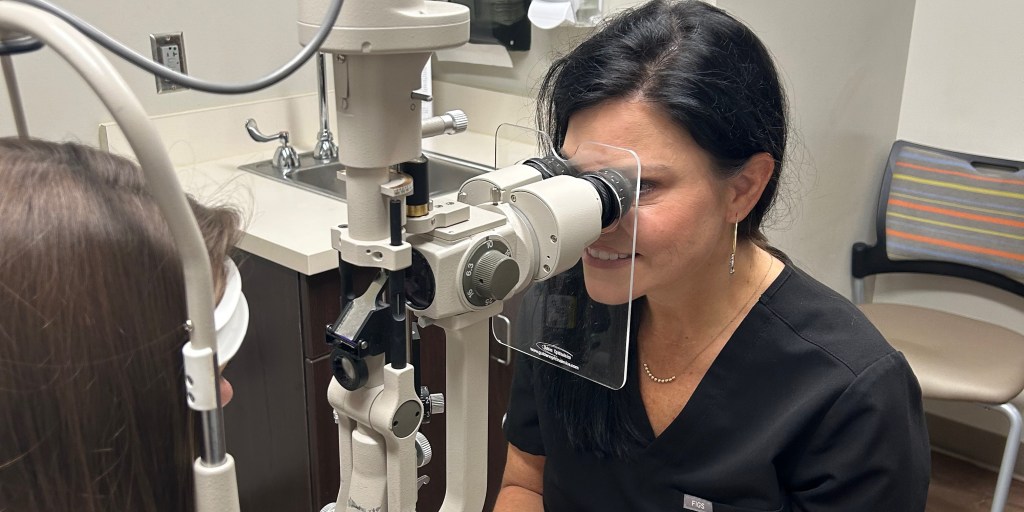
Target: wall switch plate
[{"x": 169, "y": 51}]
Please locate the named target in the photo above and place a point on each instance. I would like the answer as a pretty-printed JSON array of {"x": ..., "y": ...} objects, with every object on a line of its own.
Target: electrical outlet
[{"x": 169, "y": 51}]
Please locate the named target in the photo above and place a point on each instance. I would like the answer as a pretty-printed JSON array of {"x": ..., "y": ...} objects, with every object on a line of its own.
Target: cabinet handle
[{"x": 508, "y": 343}]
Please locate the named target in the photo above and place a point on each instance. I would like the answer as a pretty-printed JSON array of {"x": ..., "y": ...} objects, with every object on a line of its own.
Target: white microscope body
[{"x": 380, "y": 48}]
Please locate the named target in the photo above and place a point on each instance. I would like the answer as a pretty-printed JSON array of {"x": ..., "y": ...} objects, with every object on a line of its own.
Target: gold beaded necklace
[{"x": 666, "y": 380}]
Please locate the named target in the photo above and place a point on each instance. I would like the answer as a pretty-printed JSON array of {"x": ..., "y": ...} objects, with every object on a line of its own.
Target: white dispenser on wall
[{"x": 548, "y": 14}]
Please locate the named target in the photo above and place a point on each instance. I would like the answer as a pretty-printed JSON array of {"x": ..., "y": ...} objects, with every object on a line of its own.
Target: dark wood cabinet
[{"x": 280, "y": 426}]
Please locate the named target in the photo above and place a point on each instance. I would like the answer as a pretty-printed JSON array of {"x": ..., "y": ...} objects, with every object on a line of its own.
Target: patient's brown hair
[{"x": 92, "y": 312}]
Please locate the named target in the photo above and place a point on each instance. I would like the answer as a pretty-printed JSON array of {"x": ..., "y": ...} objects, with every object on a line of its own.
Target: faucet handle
[
  {"x": 325, "y": 149},
  {"x": 254, "y": 132},
  {"x": 285, "y": 158}
]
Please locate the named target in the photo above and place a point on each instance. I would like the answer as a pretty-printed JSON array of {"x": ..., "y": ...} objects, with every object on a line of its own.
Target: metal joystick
[{"x": 286, "y": 159}]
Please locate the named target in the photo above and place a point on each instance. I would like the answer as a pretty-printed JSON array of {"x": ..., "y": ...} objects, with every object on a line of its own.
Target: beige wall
[
  {"x": 226, "y": 41},
  {"x": 964, "y": 77}
]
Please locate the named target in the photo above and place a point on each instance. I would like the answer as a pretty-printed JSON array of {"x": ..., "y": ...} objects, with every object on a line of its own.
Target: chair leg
[
  {"x": 1009, "y": 455},
  {"x": 857, "y": 291}
]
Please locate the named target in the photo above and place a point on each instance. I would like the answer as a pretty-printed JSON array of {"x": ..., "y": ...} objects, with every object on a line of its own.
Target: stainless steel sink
[{"x": 447, "y": 174}]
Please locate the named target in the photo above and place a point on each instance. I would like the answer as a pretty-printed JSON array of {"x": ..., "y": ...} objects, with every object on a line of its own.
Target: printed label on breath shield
[
  {"x": 695, "y": 503},
  {"x": 554, "y": 353}
]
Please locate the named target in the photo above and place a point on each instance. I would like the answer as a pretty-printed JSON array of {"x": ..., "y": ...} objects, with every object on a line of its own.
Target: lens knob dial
[
  {"x": 489, "y": 273},
  {"x": 495, "y": 275}
]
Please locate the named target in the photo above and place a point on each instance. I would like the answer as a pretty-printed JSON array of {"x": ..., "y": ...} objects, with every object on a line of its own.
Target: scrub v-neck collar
[{"x": 705, "y": 396}]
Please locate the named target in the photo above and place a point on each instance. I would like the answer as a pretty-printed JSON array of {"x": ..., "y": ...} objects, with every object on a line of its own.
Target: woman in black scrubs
[{"x": 752, "y": 387}]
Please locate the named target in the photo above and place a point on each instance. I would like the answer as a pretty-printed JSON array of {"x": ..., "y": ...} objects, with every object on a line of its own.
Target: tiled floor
[{"x": 958, "y": 486}]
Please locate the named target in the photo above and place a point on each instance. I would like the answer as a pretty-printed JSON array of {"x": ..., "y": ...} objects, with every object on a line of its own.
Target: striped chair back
[{"x": 952, "y": 207}]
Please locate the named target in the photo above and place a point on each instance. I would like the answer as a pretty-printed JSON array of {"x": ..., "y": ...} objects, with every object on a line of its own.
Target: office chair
[{"x": 952, "y": 214}]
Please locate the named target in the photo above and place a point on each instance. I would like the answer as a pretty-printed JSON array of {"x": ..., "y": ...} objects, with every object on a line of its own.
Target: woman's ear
[{"x": 748, "y": 185}]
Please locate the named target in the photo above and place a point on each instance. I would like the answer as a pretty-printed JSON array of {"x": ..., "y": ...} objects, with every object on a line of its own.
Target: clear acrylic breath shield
[{"x": 579, "y": 320}]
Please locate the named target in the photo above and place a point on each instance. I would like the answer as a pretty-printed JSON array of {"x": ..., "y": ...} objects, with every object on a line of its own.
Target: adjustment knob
[
  {"x": 489, "y": 273},
  {"x": 433, "y": 403},
  {"x": 436, "y": 403},
  {"x": 495, "y": 275},
  {"x": 459, "y": 121},
  {"x": 423, "y": 451}
]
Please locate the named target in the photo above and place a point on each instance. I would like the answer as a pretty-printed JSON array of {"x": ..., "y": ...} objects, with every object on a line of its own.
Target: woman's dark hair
[
  {"x": 92, "y": 311},
  {"x": 716, "y": 80},
  {"x": 699, "y": 65}
]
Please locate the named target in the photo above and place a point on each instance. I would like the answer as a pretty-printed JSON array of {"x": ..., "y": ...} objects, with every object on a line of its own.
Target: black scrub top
[{"x": 806, "y": 408}]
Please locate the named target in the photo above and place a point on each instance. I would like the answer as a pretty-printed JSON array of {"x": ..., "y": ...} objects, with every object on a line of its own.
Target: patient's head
[{"x": 92, "y": 313}]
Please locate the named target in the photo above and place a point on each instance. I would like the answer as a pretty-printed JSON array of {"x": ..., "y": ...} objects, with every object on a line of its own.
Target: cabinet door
[{"x": 266, "y": 420}]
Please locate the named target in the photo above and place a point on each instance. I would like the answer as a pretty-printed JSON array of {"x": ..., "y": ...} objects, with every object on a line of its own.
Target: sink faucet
[
  {"x": 325, "y": 150},
  {"x": 286, "y": 159}
]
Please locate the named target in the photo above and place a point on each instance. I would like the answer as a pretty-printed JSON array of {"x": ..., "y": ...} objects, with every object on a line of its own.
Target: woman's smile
[{"x": 603, "y": 258}]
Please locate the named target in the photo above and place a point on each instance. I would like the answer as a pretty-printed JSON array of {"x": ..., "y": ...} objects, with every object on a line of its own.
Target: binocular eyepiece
[{"x": 615, "y": 190}]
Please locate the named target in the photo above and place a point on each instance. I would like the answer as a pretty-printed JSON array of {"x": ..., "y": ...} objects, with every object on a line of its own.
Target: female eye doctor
[{"x": 752, "y": 386}]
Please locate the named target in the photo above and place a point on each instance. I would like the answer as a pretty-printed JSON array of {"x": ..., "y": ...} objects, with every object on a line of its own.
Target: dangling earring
[{"x": 732, "y": 257}]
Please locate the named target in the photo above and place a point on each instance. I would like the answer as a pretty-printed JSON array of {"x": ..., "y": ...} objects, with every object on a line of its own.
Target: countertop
[{"x": 288, "y": 225}]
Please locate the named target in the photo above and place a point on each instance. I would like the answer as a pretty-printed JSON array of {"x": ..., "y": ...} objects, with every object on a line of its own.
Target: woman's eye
[{"x": 646, "y": 187}]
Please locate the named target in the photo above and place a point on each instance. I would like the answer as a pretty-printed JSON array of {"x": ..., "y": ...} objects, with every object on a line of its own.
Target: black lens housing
[
  {"x": 549, "y": 166},
  {"x": 615, "y": 191}
]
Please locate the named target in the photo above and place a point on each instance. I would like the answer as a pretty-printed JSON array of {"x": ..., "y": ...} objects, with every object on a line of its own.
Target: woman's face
[{"x": 683, "y": 225}]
